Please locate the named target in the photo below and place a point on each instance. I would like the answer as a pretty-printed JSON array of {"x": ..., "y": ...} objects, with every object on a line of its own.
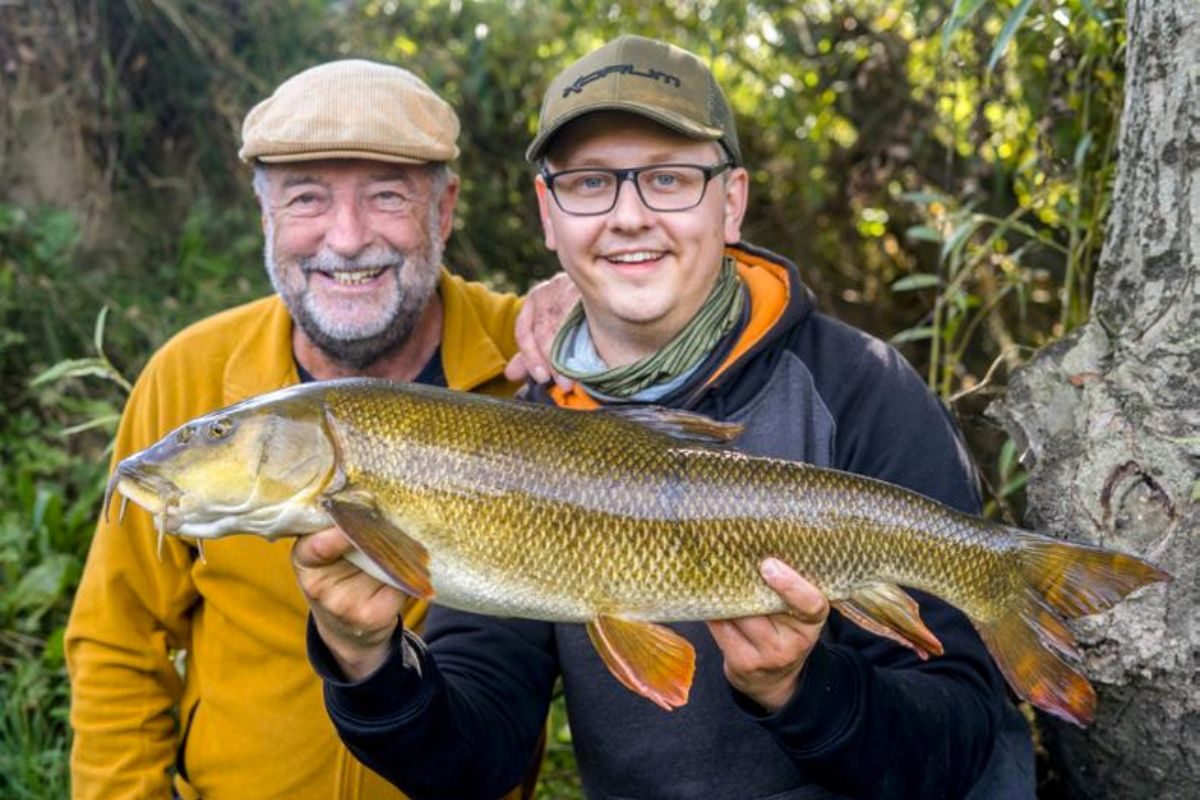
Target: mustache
[{"x": 375, "y": 258}]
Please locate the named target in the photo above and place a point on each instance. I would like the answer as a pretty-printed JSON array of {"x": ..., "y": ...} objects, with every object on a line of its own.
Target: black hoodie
[{"x": 869, "y": 718}]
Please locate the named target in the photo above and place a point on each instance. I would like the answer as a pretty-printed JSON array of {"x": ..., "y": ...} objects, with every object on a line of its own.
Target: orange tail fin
[{"x": 1031, "y": 644}]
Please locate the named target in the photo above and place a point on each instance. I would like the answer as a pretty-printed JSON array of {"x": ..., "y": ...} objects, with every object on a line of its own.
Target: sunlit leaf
[
  {"x": 73, "y": 368},
  {"x": 959, "y": 237},
  {"x": 1006, "y": 35},
  {"x": 913, "y": 335},
  {"x": 98, "y": 335},
  {"x": 920, "y": 280}
]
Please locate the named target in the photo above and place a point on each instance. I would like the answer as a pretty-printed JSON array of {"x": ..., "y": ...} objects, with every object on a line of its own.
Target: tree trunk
[{"x": 1110, "y": 421}]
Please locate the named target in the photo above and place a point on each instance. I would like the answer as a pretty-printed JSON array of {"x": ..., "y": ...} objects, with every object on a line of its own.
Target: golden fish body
[{"x": 617, "y": 520}]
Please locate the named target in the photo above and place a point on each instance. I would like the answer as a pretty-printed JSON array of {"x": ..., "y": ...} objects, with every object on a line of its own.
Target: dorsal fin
[{"x": 683, "y": 425}]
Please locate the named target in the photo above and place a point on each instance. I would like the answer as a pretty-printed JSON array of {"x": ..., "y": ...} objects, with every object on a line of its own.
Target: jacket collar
[
  {"x": 263, "y": 362},
  {"x": 778, "y": 299}
]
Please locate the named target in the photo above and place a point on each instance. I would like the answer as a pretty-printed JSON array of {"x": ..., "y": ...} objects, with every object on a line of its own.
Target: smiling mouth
[
  {"x": 639, "y": 257},
  {"x": 354, "y": 277}
]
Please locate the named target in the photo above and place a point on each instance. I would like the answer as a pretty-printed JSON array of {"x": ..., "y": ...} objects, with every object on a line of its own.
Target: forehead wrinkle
[{"x": 291, "y": 179}]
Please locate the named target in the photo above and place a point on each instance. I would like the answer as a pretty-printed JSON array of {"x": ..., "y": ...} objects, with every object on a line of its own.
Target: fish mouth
[{"x": 152, "y": 492}]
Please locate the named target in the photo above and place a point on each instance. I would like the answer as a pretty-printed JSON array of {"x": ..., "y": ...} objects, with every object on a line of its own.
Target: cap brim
[
  {"x": 327, "y": 155},
  {"x": 670, "y": 119}
]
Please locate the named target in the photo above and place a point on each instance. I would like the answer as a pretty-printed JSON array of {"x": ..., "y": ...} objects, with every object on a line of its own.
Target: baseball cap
[
  {"x": 351, "y": 109},
  {"x": 653, "y": 79}
]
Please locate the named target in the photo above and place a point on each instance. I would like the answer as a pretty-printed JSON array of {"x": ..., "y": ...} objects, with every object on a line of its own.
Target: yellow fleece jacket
[{"x": 246, "y": 720}]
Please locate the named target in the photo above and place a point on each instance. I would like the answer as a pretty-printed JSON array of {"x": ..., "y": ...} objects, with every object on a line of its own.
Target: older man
[
  {"x": 188, "y": 673},
  {"x": 642, "y": 191}
]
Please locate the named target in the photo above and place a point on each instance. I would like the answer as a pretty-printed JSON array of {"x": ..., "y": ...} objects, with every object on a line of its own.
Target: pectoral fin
[
  {"x": 887, "y": 610},
  {"x": 401, "y": 557},
  {"x": 648, "y": 659}
]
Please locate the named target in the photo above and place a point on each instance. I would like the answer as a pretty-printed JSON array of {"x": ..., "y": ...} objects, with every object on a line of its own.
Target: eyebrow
[
  {"x": 653, "y": 159},
  {"x": 299, "y": 179}
]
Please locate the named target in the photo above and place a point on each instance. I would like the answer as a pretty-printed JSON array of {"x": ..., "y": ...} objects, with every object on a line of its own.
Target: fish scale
[
  {"x": 666, "y": 509},
  {"x": 619, "y": 519}
]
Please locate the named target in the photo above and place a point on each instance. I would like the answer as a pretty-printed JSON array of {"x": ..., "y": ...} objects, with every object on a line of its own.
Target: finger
[
  {"x": 807, "y": 602},
  {"x": 515, "y": 370},
  {"x": 320, "y": 549}
]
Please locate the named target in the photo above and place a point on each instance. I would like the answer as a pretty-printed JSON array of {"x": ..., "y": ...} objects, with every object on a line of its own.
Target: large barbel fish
[{"x": 618, "y": 520}]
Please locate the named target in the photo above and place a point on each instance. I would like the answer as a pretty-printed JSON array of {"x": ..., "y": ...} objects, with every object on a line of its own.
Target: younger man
[{"x": 642, "y": 194}]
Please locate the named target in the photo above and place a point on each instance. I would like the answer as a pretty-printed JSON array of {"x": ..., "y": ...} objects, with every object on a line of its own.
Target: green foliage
[{"x": 49, "y": 491}]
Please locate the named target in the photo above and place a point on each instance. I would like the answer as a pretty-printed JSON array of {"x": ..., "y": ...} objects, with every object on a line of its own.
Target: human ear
[
  {"x": 446, "y": 205},
  {"x": 737, "y": 196},
  {"x": 543, "y": 196}
]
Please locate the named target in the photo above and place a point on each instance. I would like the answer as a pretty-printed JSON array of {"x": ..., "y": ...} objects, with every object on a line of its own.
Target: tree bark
[{"x": 1109, "y": 419}]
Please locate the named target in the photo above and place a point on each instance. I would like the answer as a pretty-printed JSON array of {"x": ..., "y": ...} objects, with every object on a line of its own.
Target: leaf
[
  {"x": 924, "y": 198},
  {"x": 1081, "y": 151},
  {"x": 73, "y": 368},
  {"x": 1008, "y": 457},
  {"x": 960, "y": 15},
  {"x": 1006, "y": 35},
  {"x": 1014, "y": 485},
  {"x": 43, "y": 585},
  {"x": 959, "y": 237},
  {"x": 98, "y": 422},
  {"x": 923, "y": 233},
  {"x": 98, "y": 336},
  {"x": 1093, "y": 12},
  {"x": 918, "y": 280},
  {"x": 912, "y": 335}
]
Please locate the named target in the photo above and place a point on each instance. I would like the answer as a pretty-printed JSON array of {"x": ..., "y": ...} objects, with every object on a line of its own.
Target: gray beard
[{"x": 416, "y": 278}]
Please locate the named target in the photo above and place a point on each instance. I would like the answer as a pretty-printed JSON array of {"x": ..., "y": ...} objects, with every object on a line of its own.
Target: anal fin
[
  {"x": 649, "y": 659},
  {"x": 887, "y": 610},
  {"x": 401, "y": 557}
]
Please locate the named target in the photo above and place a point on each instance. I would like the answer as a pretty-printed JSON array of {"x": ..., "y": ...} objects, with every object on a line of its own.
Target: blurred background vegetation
[{"x": 941, "y": 171}]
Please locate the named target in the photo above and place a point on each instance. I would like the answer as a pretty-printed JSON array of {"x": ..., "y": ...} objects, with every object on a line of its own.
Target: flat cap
[
  {"x": 351, "y": 109},
  {"x": 642, "y": 76}
]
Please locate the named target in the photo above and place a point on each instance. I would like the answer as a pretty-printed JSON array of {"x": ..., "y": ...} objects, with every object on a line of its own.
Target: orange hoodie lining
[{"x": 769, "y": 292}]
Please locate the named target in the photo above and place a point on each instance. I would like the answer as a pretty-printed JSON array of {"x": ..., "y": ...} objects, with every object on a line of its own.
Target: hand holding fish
[
  {"x": 355, "y": 614},
  {"x": 765, "y": 655}
]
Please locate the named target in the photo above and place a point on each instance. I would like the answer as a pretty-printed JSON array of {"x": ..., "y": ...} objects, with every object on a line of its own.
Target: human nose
[
  {"x": 629, "y": 211},
  {"x": 348, "y": 232}
]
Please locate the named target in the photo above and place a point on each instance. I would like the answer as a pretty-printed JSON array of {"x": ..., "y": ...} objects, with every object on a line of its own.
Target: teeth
[
  {"x": 634, "y": 258},
  {"x": 356, "y": 277}
]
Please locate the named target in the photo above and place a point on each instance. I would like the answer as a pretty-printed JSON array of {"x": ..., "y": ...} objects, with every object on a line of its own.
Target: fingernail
[
  {"x": 771, "y": 568},
  {"x": 540, "y": 375}
]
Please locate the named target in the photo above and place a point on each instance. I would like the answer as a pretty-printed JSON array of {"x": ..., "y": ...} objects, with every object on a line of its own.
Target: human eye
[
  {"x": 668, "y": 179},
  {"x": 306, "y": 201},
  {"x": 585, "y": 183},
  {"x": 389, "y": 199}
]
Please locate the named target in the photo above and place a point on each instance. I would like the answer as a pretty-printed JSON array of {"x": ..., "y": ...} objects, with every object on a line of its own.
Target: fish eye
[
  {"x": 218, "y": 428},
  {"x": 185, "y": 434}
]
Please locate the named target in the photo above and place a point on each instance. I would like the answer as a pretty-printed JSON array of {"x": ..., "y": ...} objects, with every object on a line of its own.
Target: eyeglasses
[{"x": 661, "y": 187}]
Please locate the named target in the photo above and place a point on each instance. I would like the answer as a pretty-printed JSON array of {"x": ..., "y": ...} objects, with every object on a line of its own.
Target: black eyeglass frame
[{"x": 631, "y": 174}]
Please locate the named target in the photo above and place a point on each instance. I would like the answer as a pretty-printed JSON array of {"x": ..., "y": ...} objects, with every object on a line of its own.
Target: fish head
[{"x": 256, "y": 467}]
